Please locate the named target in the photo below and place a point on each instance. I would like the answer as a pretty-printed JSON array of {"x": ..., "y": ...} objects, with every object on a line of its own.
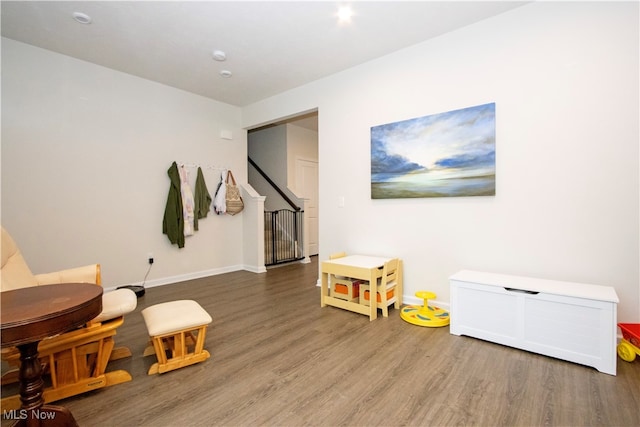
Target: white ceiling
[{"x": 271, "y": 46}]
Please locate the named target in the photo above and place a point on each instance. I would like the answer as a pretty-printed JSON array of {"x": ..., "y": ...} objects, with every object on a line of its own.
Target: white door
[{"x": 307, "y": 184}]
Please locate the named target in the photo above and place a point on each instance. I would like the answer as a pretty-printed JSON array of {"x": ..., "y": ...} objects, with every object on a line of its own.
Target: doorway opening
[{"x": 283, "y": 167}]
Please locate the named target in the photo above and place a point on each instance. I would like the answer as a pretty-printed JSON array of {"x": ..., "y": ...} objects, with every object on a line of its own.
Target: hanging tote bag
[{"x": 233, "y": 197}]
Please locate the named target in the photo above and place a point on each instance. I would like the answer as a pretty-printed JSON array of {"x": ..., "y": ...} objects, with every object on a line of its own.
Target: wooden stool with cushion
[{"x": 177, "y": 330}]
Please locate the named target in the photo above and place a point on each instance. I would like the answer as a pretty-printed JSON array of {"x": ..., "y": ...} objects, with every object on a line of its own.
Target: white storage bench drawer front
[{"x": 569, "y": 321}]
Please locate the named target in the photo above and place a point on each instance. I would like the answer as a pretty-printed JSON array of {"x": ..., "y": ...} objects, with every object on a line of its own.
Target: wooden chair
[
  {"x": 389, "y": 290},
  {"x": 342, "y": 287},
  {"x": 75, "y": 361}
]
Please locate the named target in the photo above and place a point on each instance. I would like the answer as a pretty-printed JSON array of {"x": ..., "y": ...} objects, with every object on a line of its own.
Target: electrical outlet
[{"x": 150, "y": 260}]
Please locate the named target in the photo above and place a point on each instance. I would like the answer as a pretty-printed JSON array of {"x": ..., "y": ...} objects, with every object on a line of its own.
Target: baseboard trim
[
  {"x": 191, "y": 276},
  {"x": 413, "y": 300},
  {"x": 255, "y": 269}
]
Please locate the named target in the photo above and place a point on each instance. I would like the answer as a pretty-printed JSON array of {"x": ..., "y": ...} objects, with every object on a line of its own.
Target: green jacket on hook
[{"x": 173, "y": 222}]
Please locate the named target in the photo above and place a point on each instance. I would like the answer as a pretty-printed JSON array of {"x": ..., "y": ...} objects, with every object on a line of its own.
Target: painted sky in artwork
[
  {"x": 455, "y": 144},
  {"x": 460, "y": 138}
]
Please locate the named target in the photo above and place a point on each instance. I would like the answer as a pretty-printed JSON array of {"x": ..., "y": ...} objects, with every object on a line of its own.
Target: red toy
[{"x": 630, "y": 344}]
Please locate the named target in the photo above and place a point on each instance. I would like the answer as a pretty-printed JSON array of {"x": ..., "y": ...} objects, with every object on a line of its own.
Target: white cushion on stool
[
  {"x": 174, "y": 316},
  {"x": 117, "y": 303}
]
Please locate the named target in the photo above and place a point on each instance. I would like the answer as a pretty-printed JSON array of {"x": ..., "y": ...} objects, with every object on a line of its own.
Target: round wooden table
[{"x": 29, "y": 315}]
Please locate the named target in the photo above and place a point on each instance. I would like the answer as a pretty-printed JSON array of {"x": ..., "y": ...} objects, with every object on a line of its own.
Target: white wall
[
  {"x": 564, "y": 77},
  {"x": 302, "y": 144},
  {"x": 85, "y": 153}
]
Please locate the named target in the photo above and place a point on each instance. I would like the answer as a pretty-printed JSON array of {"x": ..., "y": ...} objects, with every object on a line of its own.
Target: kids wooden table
[{"x": 362, "y": 267}]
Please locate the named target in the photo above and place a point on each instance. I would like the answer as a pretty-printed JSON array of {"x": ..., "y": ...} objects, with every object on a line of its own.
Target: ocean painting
[{"x": 450, "y": 154}]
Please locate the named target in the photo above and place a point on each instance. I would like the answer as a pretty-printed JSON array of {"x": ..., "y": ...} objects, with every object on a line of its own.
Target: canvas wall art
[{"x": 451, "y": 154}]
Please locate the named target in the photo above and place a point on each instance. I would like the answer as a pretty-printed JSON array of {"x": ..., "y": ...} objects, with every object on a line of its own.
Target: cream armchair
[{"x": 76, "y": 361}]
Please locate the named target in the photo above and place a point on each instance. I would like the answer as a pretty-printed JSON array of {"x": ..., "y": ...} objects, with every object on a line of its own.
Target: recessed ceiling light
[
  {"x": 226, "y": 73},
  {"x": 219, "y": 55},
  {"x": 344, "y": 14},
  {"x": 82, "y": 18}
]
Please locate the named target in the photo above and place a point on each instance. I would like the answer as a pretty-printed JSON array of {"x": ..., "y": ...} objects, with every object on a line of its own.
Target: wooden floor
[{"x": 278, "y": 359}]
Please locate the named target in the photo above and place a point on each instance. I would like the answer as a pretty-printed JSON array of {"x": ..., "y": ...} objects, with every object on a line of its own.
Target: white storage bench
[{"x": 570, "y": 321}]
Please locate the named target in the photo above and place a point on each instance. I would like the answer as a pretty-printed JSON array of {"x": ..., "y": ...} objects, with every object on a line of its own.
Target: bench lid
[{"x": 553, "y": 287}]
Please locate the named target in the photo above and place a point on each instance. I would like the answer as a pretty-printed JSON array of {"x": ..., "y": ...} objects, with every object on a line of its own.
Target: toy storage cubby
[
  {"x": 570, "y": 321},
  {"x": 345, "y": 288}
]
